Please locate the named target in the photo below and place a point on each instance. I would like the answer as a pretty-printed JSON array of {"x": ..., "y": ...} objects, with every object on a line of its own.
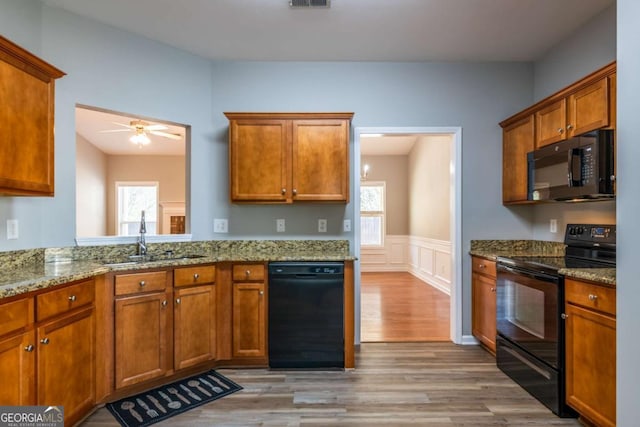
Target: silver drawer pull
[
  {"x": 196, "y": 276},
  {"x": 248, "y": 273},
  {"x": 593, "y": 297},
  {"x": 142, "y": 283},
  {"x": 482, "y": 266},
  {"x": 72, "y": 298}
]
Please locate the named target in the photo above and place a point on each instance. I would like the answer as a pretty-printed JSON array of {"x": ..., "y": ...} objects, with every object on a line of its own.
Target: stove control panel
[{"x": 593, "y": 234}]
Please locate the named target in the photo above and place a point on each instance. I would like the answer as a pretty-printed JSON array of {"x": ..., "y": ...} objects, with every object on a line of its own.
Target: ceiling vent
[{"x": 309, "y": 3}]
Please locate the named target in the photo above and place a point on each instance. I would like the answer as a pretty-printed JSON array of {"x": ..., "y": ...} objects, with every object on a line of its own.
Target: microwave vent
[{"x": 309, "y": 3}]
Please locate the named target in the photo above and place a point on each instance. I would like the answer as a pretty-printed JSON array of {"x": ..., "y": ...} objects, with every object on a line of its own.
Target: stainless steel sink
[{"x": 140, "y": 259}]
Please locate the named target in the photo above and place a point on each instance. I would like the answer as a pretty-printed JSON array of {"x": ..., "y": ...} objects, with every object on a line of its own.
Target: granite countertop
[
  {"x": 33, "y": 270},
  {"x": 492, "y": 249}
]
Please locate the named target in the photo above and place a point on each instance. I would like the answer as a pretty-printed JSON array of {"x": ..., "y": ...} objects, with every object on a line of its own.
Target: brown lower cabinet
[
  {"x": 483, "y": 301},
  {"x": 47, "y": 350},
  {"x": 194, "y": 325},
  {"x": 590, "y": 321},
  {"x": 249, "y": 311}
]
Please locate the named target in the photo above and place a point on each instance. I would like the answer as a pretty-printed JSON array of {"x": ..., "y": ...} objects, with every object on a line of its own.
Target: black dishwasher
[{"x": 306, "y": 315}]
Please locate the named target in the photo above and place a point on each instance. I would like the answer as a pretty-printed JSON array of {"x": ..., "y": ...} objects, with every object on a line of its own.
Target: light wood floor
[
  {"x": 394, "y": 384},
  {"x": 399, "y": 307}
]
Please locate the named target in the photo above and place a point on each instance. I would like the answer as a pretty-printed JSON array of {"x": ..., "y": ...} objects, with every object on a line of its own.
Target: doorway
[{"x": 414, "y": 255}]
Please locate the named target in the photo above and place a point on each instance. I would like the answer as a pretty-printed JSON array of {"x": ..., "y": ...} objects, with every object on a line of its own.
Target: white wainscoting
[{"x": 427, "y": 259}]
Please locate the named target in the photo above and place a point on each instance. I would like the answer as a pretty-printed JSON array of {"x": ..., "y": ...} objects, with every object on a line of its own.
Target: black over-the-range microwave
[{"x": 579, "y": 168}]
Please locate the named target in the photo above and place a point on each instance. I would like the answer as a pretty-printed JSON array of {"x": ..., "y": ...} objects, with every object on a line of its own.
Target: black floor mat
[{"x": 172, "y": 399}]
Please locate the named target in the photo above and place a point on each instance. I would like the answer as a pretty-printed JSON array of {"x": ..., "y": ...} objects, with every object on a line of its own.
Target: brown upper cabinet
[
  {"x": 586, "y": 105},
  {"x": 26, "y": 122},
  {"x": 289, "y": 157}
]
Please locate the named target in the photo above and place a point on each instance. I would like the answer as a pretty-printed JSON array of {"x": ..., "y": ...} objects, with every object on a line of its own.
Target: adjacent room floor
[{"x": 399, "y": 307}]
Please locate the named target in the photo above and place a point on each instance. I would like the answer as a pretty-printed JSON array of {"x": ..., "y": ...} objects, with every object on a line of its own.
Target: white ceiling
[
  {"x": 90, "y": 123},
  {"x": 351, "y": 30}
]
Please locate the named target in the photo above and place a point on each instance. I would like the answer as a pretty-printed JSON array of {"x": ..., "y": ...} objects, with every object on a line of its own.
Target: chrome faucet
[{"x": 142, "y": 245}]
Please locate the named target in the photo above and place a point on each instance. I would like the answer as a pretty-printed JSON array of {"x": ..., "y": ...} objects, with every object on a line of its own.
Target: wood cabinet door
[
  {"x": 550, "y": 123},
  {"x": 194, "y": 325},
  {"x": 249, "y": 320},
  {"x": 26, "y": 122},
  {"x": 18, "y": 369},
  {"x": 321, "y": 160},
  {"x": 66, "y": 364},
  {"x": 260, "y": 160},
  {"x": 517, "y": 141},
  {"x": 483, "y": 294},
  {"x": 591, "y": 364},
  {"x": 141, "y": 328},
  {"x": 588, "y": 108}
]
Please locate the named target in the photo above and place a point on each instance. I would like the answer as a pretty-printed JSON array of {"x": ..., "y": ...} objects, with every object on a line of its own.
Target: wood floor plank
[
  {"x": 399, "y": 307},
  {"x": 394, "y": 384}
]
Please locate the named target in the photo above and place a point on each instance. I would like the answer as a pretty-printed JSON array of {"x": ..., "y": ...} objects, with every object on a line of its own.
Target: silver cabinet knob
[
  {"x": 164, "y": 303},
  {"x": 593, "y": 297},
  {"x": 142, "y": 283},
  {"x": 196, "y": 276},
  {"x": 72, "y": 298},
  {"x": 44, "y": 341},
  {"x": 295, "y": 191},
  {"x": 284, "y": 191},
  {"x": 482, "y": 266},
  {"x": 248, "y": 273},
  {"x": 178, "y": 300},
  {"x": 569, "y": 127},
  {"x": 564, "y": 316},
  {"x": 261, "y": 292},
  {"x": 28, "y": 348},
  {"x": 493, "y": 289},
  {"x": 560, "y": 130}
]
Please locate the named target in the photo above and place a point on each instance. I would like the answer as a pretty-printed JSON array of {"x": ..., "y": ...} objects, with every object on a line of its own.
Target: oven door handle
[{"x": 531, "y": 274}]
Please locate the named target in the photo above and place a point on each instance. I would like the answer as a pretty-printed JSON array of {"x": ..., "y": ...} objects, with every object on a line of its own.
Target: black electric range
[{"x": 529, "y": 304}]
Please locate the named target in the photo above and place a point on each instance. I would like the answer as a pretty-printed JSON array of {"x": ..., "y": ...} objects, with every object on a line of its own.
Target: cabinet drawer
[
  {"x": 56, "y": 302},
  {"x": 16, "y": 315},
  {"x": 591, "y": 296},
  {"x": 483, "y": 266},
  {"x": 186, "y": 276},
  {"x": 140, "y": 282},
  {"x": 248, "y": 272}
]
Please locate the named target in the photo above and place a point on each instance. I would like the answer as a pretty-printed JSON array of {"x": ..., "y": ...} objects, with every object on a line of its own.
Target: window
[
  {"x": 131, "y": 199},
  {"x": 372, "y": 213}
]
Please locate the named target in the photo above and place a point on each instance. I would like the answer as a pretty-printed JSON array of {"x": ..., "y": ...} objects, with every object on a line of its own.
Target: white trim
[
  {"x": 430, "y": 261},
  {"x": 455, "y": 183},
  {"x": 386, "y": 258},
  {"x": 119, "y": 240},
  {"x": 469, "y": 340}
]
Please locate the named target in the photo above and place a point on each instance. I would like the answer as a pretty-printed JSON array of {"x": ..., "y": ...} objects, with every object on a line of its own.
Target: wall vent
[{"x": 309, "y": 3}]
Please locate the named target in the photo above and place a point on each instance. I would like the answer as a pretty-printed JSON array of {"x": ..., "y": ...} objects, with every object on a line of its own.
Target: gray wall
[
  {"x": 628, "y": 271},
  {"x": 393, "y": 171},
  {"x": 116, "y": 70},
  {"x": 586, "y": 50}
]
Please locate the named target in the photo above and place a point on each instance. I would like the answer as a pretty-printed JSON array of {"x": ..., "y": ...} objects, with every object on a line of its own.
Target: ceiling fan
[{"x": 141, "y": 128}]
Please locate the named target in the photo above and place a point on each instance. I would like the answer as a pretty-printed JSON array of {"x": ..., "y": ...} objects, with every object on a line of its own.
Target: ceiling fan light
[{"x": 140, "y": 139}]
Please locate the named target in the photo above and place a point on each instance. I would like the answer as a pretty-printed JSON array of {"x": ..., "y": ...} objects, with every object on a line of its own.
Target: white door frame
[{"x": 455, "y": 183}]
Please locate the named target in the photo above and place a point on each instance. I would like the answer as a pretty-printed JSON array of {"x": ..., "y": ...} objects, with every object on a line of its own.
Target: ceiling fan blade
[
  {"x": 115, "y": 130},
  {"x": 156, "y": 127},
  {"x": 166, "y": 134},
  {"x": 122, "y": 124}
]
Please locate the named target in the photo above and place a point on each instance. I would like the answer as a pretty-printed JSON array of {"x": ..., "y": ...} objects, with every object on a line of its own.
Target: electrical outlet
[
  {"x": 346, "y": 225},
  {"x": 322, "y": 226},
  {"x": 12, "y": 229},
  {"x": 280, "y": 225},
  {"x": 553, "y": 226},
  {"x": 220, "y": 225}
]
